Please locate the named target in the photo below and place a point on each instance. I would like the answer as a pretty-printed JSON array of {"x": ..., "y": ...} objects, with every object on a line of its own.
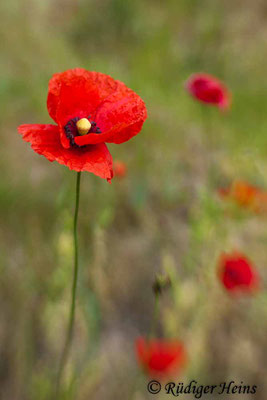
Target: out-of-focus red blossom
[
  {"x": 208, "y": 89},
  {"x": 246, "y": 195},
  {"x": 237, "y": 273},
  {"x": 119, "y": 169},
  {"x": 115, "y": 114},
  {"x": 160, "y": 358}
]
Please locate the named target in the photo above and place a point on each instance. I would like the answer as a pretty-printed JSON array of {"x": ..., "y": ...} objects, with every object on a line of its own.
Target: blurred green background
[{"x": 165, "y": 216}]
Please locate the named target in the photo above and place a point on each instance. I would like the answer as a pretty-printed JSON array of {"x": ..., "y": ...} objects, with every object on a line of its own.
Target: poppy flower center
[
  {"x": 233, "y": 274},
  {"x": 78, "y": 127},
  {"x": 83, "y": 126}
]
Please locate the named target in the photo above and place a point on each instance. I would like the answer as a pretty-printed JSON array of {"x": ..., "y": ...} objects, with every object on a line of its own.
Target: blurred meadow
[{"x": 165, "y": 216}]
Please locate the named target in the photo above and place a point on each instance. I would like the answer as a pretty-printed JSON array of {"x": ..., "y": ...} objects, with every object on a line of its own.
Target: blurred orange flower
[
  {"x": 119, "y": 169},
  {"x": 246, "y": 195},
  {"x": 160, "y": 357}
]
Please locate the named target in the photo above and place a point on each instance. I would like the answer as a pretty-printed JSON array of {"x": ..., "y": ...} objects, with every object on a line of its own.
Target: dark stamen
[{"x": 71, "y": 130}]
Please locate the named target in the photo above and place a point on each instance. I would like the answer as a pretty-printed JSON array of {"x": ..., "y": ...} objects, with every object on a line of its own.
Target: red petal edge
[
  {"x": 45, "y": 140},
  {"x": 73, "y": 79},
  {"x": 120, "y": 117},
  {"x": 118, "y": 111}
]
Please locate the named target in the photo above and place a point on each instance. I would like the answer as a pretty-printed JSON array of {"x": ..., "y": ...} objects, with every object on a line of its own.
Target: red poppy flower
[
  {"x": 237, "y": 273},
  {"x": 208, "y": 89},
  {"x": 160, "y": 358},
  {"x": 90, "y": 109},
  {"x": 120, "y": 169},
  {"x": 246, "y": 196}
]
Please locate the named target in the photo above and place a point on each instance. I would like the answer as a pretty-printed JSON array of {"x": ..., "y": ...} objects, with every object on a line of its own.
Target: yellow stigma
[{"x": 83, "y": 126}]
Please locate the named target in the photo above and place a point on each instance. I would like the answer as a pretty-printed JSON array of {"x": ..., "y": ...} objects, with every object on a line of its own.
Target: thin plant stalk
[
  {"x": 67, "y": 346},
  {"x": 155, "y": 317}
]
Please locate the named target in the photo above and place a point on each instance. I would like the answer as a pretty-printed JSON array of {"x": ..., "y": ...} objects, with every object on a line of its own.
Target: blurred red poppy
[
  {"x": 208, "y": 89},
  {"x": 237, "y": 273},
  {"x": 159, "y": 357},
  {"x": 246, "y": 195},
  {"x": 120, "y": 169},
  {"x": 90, "y": 109}
]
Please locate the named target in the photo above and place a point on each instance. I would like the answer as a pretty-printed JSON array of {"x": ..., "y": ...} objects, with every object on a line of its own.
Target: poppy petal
[
  {"x": 76, "y": 79},
  {"x": 79, "y": 98},
  {"x": 119, "y": 117},
  {"x": 118, "y": 111},
  {"x": 72, "y": 77},
  {"x": 237, "y": 273},
  {"x": 160, "y": 357},
  {"x": 208, "y": 89},
  {"x": 45, "y": 140}
]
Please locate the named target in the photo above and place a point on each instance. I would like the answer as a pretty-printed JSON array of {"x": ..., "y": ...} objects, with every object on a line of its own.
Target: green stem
[
  {"x": 67, "y": 346},
  {"x": 155, "y": 317}
]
